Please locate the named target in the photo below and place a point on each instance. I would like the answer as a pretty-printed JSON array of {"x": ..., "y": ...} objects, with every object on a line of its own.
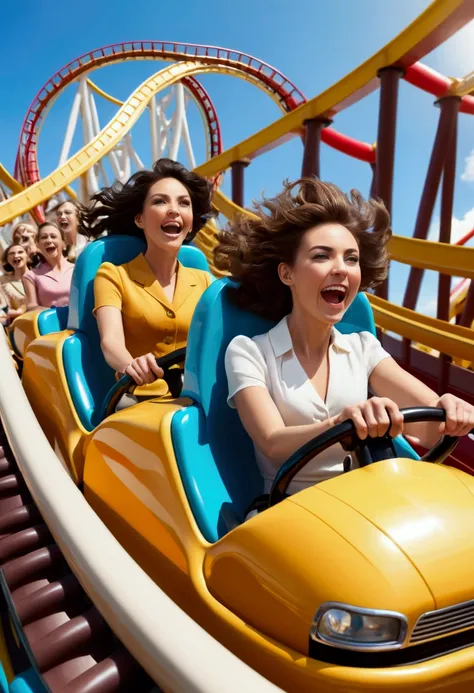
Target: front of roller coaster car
[
  {"x": 65, "y": 375},
  {"x": 363, "y": 582}
]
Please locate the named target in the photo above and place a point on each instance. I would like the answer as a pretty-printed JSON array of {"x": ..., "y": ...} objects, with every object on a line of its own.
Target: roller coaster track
[
  {"x": 280, "y": 88},
  {"x": 28, "y": 159},
  {"x": 437, "y": 23},
  {"x": 440, "y": 20},
  {"x": 9, "y": 181},
  {"x": 203, "y": 102},
  {"x": 266, "y": 77},
  {"x": 109, "y": 136},
  {"x": 49, "y": 552}
]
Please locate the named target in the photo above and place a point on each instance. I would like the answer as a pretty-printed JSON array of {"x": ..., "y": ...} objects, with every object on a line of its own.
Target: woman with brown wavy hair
[{"x": 300, "y": 262}]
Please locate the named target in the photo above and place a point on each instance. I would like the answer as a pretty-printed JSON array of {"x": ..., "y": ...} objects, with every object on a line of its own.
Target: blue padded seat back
[
  {"x": 88, "y": 375},
  {"x": 114, "y": 249},
  {"x": 53, "y": 320},
  {"x": 213, "y": 451}
]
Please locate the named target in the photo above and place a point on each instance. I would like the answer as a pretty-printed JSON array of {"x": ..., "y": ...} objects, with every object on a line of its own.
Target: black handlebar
[
  {"x": 127, "y": 385},
  {"x": 368, "y": 451}
]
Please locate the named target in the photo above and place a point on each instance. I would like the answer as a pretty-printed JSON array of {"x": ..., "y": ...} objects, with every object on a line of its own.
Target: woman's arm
[
  {"x": 112, "y": 338},
  {"x": 112, "y": 341},
  {"x": 263, "y": 422},
  {"x": 15, "y": 312},
  {"x": 388, "y": 379},
  {"x": 30, "y": 294}
]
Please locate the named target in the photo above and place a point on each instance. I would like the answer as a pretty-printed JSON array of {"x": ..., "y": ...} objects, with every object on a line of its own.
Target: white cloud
[
  {"x": 459, "y": 227},
  {"x": 429, "y": 308},
  {"x": 455, "y": 57},
  {"x": 468, "y": 173}
]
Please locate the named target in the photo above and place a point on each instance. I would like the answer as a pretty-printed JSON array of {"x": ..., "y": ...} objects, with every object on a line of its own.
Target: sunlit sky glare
[{"x": 313, "y": 43}]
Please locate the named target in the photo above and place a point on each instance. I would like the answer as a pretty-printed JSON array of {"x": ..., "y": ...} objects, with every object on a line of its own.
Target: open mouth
[
  {"x": 17, "y": 260},
  {"x": 334, "y": 294},
  {"x": 171, "y": 228},
  {"x": 50, "y": 248}
]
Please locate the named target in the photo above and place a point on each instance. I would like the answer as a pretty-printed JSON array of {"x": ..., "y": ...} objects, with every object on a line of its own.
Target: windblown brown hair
[
  {"x": 252, "y": 248},
  {"x": 113, "y": 209}
]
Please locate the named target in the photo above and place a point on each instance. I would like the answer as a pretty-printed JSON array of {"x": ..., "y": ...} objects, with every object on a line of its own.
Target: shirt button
[
  {"x": 169, "y": 314},
  {"x": 168, "y": 339}
]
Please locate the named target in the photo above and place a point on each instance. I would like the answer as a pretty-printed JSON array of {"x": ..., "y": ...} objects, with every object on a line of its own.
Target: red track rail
[
  {"x": 204, "y": 100},
  {"x": 436, "y": 84},
  {"x": 26, "y": 167},
  {"x": 466, "y": 238}
]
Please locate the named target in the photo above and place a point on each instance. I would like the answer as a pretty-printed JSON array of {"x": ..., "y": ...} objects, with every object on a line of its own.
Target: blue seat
[
  {"x": 88, "y": 376},
  {"x": 213, "y": 452},
  {"x": 53, "y": 320}
]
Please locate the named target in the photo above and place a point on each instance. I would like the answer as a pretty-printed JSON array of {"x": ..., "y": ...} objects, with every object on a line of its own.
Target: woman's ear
[
  {"x": 284, "y": 273},
  {"x": 138, "y": 221}
]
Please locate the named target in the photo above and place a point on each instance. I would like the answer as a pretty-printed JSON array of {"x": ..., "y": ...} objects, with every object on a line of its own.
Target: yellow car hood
[{"x": 426, "y": 510}]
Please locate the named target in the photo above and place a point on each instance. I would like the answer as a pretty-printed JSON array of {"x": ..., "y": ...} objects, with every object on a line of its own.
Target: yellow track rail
[
  {"x": 103, "y": 94},
  {"x": 16, "y": 187},
  {"x": 10, "y": 182},
  {"x": 457, "y": 304},
  {"x": 454, "y": 260},
  {"x": 452, "y": 340},
  {"x": 117, "y": 102}
]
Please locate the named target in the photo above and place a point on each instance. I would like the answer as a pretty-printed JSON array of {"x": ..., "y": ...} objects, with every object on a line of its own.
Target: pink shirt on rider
[{"x": 52, "y": 285}]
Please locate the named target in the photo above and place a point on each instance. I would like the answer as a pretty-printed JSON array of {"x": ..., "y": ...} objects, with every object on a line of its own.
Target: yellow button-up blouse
[{"x": 150, "y": 322}]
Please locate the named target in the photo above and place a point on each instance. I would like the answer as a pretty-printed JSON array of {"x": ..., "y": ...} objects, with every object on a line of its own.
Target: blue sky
[{"x": 314, "y": 43}]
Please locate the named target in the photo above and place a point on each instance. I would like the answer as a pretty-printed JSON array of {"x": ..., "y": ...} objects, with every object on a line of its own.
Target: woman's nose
[{"x": 339, "y": 266}]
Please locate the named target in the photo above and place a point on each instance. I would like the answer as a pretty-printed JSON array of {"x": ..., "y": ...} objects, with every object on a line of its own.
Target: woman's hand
[
  {"x": 459, "y": 415},
  {"x": 144, "y": 369},
  {"x": 14, "y": 313},
  {"x": 373, "y": 418}
]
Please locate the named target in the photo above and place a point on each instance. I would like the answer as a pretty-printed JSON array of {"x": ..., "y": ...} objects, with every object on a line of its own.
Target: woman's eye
[
  {"x": 158, "y": 201},
  {"x": 353, "y": 259},
  {"x": 320, "y": 256},
  {"x": 186, "y": 203}
]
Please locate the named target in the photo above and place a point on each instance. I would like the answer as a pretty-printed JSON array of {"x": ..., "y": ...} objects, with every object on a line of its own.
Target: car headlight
[{"x": 350, "y": 627}]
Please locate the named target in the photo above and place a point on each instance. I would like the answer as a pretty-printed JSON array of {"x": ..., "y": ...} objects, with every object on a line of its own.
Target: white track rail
[{"x": 177, "y": 653}]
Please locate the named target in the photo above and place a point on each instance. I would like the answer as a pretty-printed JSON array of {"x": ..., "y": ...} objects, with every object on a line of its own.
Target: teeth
[{"x": 335, "y": 287}]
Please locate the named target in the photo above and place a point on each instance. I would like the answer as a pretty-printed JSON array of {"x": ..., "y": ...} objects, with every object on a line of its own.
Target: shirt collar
[
  {"x": 141, "y": 272},
  {"x": 48, "y": 271},
  {"x": 280, "y": 339}
]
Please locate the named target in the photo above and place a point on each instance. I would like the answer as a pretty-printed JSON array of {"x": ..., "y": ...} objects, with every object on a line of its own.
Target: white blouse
[{"x": 268, "y": 360}]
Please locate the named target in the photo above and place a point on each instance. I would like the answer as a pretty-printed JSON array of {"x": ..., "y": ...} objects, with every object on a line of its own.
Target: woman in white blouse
[{"x": 301, "y": 263}]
